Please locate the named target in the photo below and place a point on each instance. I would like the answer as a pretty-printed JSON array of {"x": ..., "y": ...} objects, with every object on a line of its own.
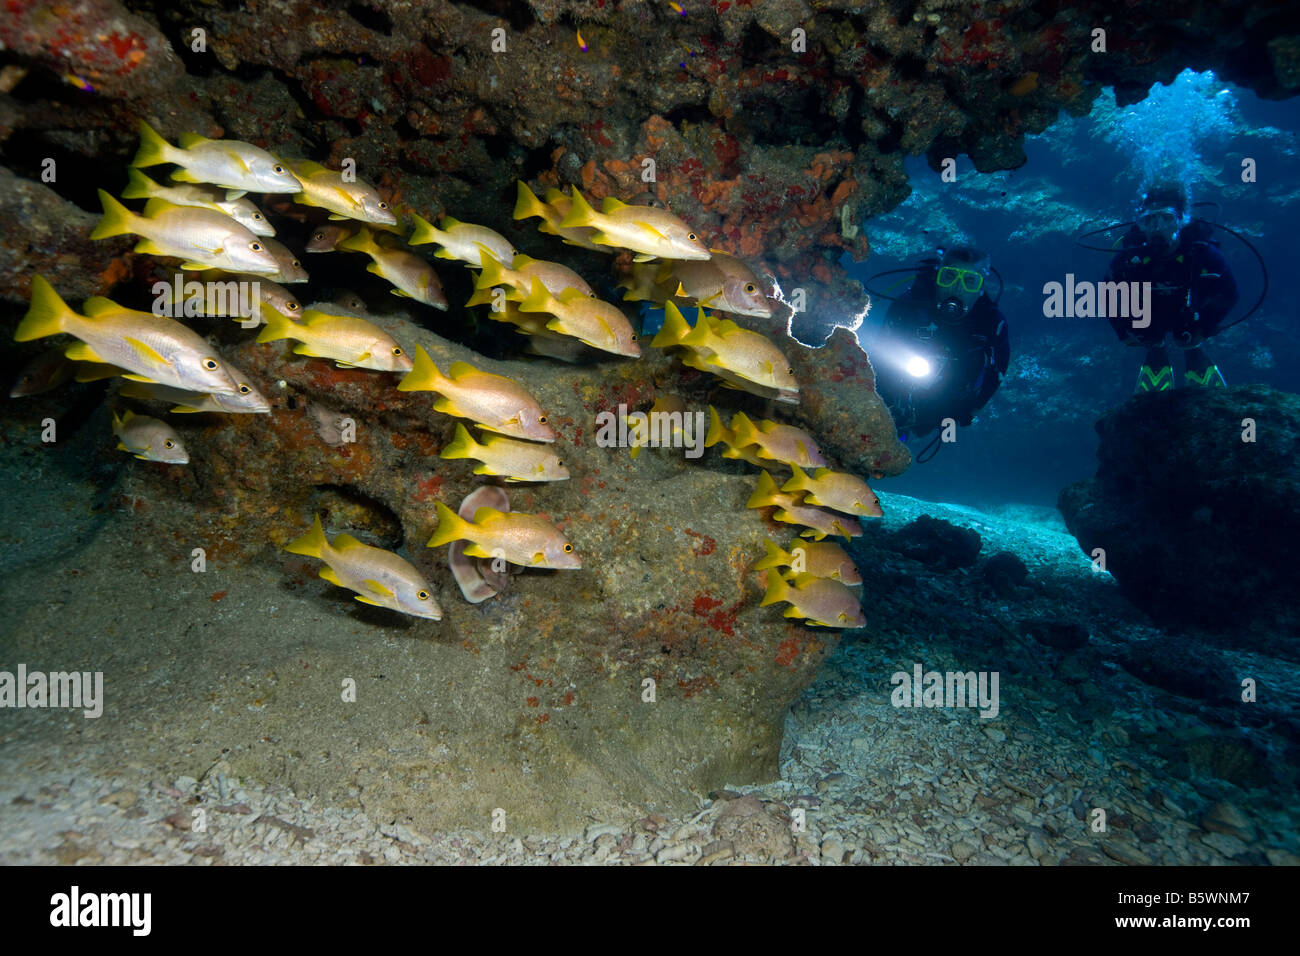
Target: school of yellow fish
[{"x": 204, "y": 218}]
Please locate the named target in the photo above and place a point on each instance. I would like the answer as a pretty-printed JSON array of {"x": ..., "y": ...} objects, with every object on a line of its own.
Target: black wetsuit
[
  {"x": 970, "y": 354},
  {"x": 1192, "y": 290}
]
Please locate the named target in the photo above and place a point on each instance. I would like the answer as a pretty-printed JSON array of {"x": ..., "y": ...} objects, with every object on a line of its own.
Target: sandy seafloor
[{"x": 872, "y": 783}]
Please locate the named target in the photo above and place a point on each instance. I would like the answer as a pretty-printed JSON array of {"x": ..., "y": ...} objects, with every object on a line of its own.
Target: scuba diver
[
  {"x": 943, "y": 347},
  {"x": 1192, "y": 288}
]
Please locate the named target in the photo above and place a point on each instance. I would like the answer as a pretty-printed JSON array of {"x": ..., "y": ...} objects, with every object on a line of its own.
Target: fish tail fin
[
  {"x": 777, "y": 590},
  {"x": 423, "y": 376},
  {"x": 717, "y": 431},
  {"x": 277, "y": 327},
  {"x": 800, "y": 481},
  {"x": 424, "y": 232},
  {"x": 359, "y": 241},
  {"x": 699, "y": 334},
  {"x": 527, "y": 205},
  {"x": 763, "y": 494},
  {"x": 451, "y": 527},
  {"x": 538, "y": 299},
  {"x": 674, "y": 328},
  {"x": 743, "y": 430},
  {"x": 493, "y": 273},
  {"x": 775, "y": 557},
  {"x": 138, "y": 185},
  {"x": 153, "y": 150},
  {"x": 313, "y": 543},
  {"x": 579, "y": 214},
  {"x": 47, "y": 315},
  {"x": 461, "y": 446},
  {"x": 117, "y": 219}
]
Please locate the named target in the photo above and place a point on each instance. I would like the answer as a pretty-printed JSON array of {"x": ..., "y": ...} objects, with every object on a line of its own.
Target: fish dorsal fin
[
  {"x": 307, "y": 167},
  {"x": 610, "y": 205},
  {"x": 97, "y": 305},
  {"x": 449, "y": 222},
  {"x": 553, "y": 194},
  {"x": 726, "y": 327},
  {"x": 157, "y": 205},
  {"x": 459, "y": 370},
  {"x": 190, "y": 140},
  {"x": 378, "y": 587},
  {"x": 570, "y": 294},
  {"x": 486, "y": 513},
  {"x": 522, "y": 260},
  {"x": 146, "y": 351},
  {"x": 345, "y": 541}
]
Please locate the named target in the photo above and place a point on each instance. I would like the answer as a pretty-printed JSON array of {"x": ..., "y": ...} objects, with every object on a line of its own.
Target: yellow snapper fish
[
  {"x": 724, "y": 282},
  {"x": 552, "y": 213},
  {"x": 148, "y": 347},
  {"x": 242, "y": 210},
  {"x": 254, "y": 403},
  {"x": 496, "y": 403},
  {"x": 288, "y": 268},
  {"x": 379, "y": 577},
  {"x": 149, "y": 439},
  {"x": 591, "y": 321},
  {"x": 819, "y": 601},
  {"x": 506, "y": 458},
  {"x": 693, "y": 359},
  {"x": 648, "y": 231},
  {"x": 774, "y": 441},
  {"x": 518, "y": 278},
  {"x": 350, "y": 341},
  {"x": 462, "y": 240},
  {"x": 326, "y": 189},
  {"x": 204, "y": 238},
  {"x": 790, "y": 510},
  {"x": 724, "y": 345},
  {"x": 412, "y": 276},
  {"x": 837, "y": 490},
  {"x": 228, "y": 163},
  {"x": 822, "y": 559},
  {"x": 529, "y": 541}
]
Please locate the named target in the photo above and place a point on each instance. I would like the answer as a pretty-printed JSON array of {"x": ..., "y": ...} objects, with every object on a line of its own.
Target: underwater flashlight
[{"x": 917, "y": 367}]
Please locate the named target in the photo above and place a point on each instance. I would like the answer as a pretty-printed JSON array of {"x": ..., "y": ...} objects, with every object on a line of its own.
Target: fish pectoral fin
[
  {"x": 538, "y": 557},
  {"x": 378, "y": 587},
  {"x": 146, "y": 351},
  {"x": 327, "y": 574}
]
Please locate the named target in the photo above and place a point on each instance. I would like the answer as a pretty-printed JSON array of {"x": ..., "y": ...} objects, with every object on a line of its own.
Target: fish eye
[
  {"x": 593, "y": 295},
  {"x": 691, "y": 237},
  {"x": 789, "y": 371},
  {"x": 397, "y": 350},
  {"x": 568, "y": 548},
  {"x": 257, "y": 217},
  {"x": 319, "y": 235},
  {"x": 255, "y": 246},
  {"x": 277, "y": 169},
  {"x": 244, "y": 389},
  {"x": 541, "y": 420},
  {"x": 423, "y": 595},
  {"x": 168, "y": 443},
  {"x": 750, "y": 288},
  {"x": 634, "y": 338},
  {"x": 291, "y": 306},
  {"x": 560, "y": 463},
  {"x": 210, "y": 364},
  {"x": 297, "y": 264},
  {"x": 382, "y": 204}
]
